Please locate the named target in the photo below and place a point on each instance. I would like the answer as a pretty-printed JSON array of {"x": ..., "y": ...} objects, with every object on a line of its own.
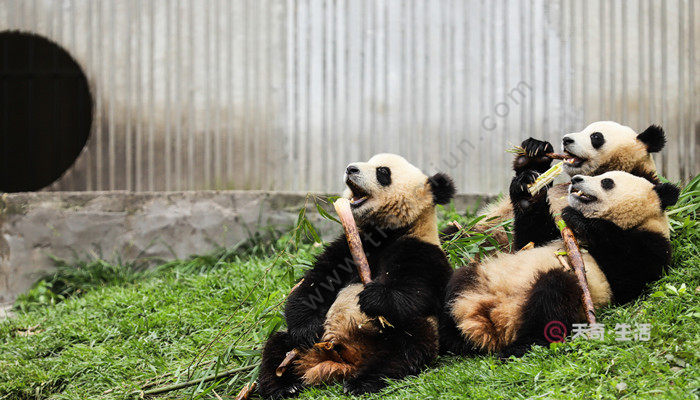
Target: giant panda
[
  {"x": 600, "y": 147},
  {"x": 393, "y": 203},
  {"x": 503, "y": 304}
]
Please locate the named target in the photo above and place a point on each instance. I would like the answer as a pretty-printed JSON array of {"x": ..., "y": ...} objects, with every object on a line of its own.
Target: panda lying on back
[
  {"x": 600, "y": 147},
  {"x": 503, "y": 304},
  {"x": 393, "y": 203}
]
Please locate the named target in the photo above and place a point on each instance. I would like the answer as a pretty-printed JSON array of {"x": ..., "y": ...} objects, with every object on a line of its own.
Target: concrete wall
[
  {"x": 282, "y": 95},
  {"x": 129, "y": 226}
]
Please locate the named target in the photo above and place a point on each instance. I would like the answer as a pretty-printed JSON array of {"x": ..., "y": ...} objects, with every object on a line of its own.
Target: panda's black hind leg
[
  {"x": 452, "y": 341},
  {"x": 552, "y": 307},
  {"x": 270, "y": 386},
  {"x": 398, "y": 356}
]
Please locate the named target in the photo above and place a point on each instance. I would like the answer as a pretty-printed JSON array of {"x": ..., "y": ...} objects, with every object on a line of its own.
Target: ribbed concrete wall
[{"x": 270, "y": 94}]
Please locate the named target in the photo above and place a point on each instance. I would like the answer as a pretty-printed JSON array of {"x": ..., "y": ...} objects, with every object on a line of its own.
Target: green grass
[{"x": 99, "y": 327}]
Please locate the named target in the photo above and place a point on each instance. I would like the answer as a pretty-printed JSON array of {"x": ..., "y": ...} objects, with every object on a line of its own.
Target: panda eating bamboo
[
  {"x": 503, "y": 304},
  {"x": 393, "y": 203},
  {"x": 600, "y": 147}
]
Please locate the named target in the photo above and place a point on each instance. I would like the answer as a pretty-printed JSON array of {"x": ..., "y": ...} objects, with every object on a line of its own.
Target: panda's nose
[
  {"x": 577, "y": 179},
  {"x": 351, "y": 169},
  {"x": 567, "y": 141}
]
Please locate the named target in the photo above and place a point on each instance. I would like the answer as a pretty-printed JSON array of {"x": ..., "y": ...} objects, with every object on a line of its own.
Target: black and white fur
[
  {"x": 393, "y": 203},
  {"x": 601, "y": 147},
  {"x": 503, "y": 304}
]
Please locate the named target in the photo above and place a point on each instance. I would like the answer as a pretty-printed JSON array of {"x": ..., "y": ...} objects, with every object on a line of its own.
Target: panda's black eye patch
[
  {"x": 607, "y": 184},
  {"x": 597, "y": 139},
  {"x": 384, "y": 176}
]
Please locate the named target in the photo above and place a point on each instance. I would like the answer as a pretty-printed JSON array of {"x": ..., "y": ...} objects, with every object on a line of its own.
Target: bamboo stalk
[
  {"x": 546, "y": 178},
  {"x": 352, "y": 234},
  {"x": 197, "y": 381},
  {"x": 342, "y": 207},
  {"x": 456, "y": 225},
  {"x": 528, "y": 246},
  {"x": 288, "y": 358},
  {"x": 519, "y": 151},
  {"x": 549, "y": 175},
  {"x": 576, "y": 260},
  {"x": 244, "y": 394},
  {"x": 329, "y": 348},
  {"x": 296, "y": 286}
]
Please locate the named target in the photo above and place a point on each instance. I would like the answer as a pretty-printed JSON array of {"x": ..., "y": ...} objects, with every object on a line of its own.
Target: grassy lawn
[{"x": 114, "y": 330}]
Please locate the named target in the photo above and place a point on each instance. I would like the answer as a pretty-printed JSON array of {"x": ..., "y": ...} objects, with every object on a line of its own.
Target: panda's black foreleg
[
  {"x": 400, "y": 354},
  {"x": 270, "y": 386},
  {"x": 629, "y": 258},
  {"x": 306, "y": 307},
  {"x": 553, "y": 305},
  {"x": 533, "y": 221}
]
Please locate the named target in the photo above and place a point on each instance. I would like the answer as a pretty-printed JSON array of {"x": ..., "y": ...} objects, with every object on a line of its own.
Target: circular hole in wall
[{"x": 45, "y": 111}]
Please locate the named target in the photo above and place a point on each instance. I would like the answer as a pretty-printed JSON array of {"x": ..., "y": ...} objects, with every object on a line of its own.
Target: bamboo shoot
[
  {"x": 576, "y": 261},
  {"x": 342, "y": 207}
]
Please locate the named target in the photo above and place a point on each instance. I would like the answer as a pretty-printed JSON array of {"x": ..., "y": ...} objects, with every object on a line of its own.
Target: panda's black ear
[
  {"x": 668, "y": 194},
  {"x": 654, "y": 138},
  {"x": 443, "y": 188}
]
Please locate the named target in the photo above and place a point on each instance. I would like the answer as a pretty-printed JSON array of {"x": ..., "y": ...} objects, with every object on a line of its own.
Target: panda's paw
[
  {"x": 575, "y": 220},
  {"x": 514, "y": 350},
  {"x": 534, "y": 157},
  {"x": 519, "y": 185},
  {"x": 276, "y": 388},
  {"x": 362, "y": 385},
  {"x": 372, "y": 299},
  {"x": 536, "y": 148},
  {"x": 284, "y": 392}
]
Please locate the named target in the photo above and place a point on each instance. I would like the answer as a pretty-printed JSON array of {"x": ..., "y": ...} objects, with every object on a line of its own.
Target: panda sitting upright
[
  {"x": 601, "y": 147},
  {"x": 504, "y": 304},
  {"x": 393, "y": 203}
]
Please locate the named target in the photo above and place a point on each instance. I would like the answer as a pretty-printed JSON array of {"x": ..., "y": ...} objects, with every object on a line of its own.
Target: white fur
[
  {"x": 406, "y": 202},
  {"x": 489, "y": 312},
  {"x": 631, "y": 203},
  {"x": 621, "y": 150}
]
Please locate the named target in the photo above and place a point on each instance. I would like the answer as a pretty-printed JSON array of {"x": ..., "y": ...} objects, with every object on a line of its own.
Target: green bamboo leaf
[
  {"x": 312, "y": 232},
  {"x": 325, "y": 213}
]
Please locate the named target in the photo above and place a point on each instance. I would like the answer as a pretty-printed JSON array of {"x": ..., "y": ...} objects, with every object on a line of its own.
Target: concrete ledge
[{"x": 148, "y": 227}]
